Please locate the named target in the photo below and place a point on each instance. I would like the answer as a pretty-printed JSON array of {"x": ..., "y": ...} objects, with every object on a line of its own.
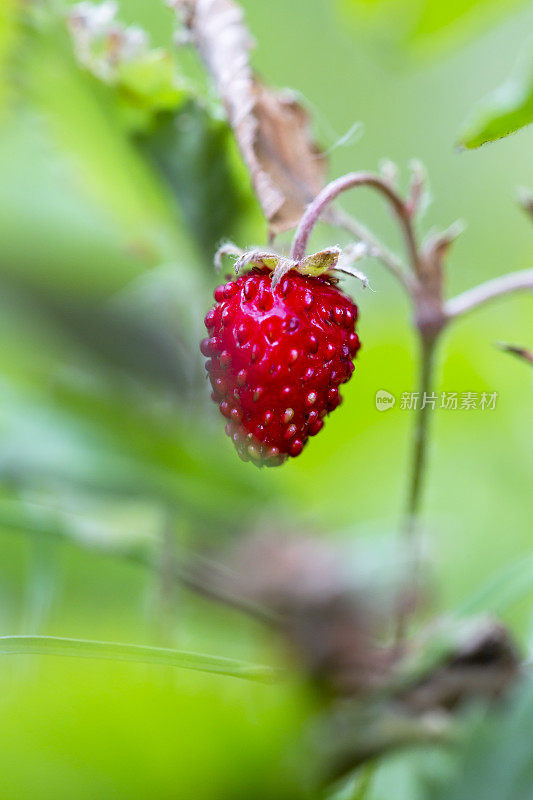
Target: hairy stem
[
  {"x": 333, "y": 190},
  {"x": 419, "y": 455},
  {"x": 416, "y": 482},
  {"x": 341, "y": 219},
  {"x": 473, "y": 298}
]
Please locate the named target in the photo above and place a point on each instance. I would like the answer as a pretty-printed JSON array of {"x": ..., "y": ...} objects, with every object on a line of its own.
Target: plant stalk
[
  {"x": 485, "y": 292},
  {"x": 418, "y": 468},
  {"x": 420, "y": 441},
  {"x": 350, "y": 181}
]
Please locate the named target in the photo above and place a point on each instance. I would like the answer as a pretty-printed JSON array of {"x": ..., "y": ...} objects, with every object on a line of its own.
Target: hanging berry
[{"x": 281, "y": 341}]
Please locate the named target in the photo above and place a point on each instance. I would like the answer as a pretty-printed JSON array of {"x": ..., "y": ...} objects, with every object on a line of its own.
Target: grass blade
[{"x": 141, "y": 654}]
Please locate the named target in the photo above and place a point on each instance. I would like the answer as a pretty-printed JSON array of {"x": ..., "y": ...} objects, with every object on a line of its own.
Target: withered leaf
[
  {"x": 272, "y": 129},
  {"x": 286, "y": 153}
]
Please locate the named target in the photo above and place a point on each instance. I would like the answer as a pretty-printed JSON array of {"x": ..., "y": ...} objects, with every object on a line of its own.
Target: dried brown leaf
[
  {"x": 272, "y": 129},
  {"x": 286, "y": 153},
  {"x": 485, "y": 664}
]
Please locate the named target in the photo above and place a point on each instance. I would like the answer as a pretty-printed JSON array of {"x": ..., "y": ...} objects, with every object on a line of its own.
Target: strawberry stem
[
  {"x": 417, "y": 472},
  {"x": 333, "y": 190},
  {"x": 473, "y": 298}
]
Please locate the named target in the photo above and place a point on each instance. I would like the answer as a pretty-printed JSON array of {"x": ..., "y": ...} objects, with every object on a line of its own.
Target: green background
[{"x": 99, "y": 446}]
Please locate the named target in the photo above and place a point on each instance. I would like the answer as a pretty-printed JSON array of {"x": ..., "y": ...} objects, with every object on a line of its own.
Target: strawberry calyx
[{"x": 325, "y": 261}]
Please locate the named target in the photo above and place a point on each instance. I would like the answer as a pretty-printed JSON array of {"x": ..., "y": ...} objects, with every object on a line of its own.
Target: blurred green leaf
[
  {"x": 99, "y": 409},
  {"x": 424, "y": 23},
  {"x": 186, "y": 139},
  {"x": 140, "y": 654},
  {"x": 75, "y": 202},
  {"x": 54, "y": 234},
  {"x": 436, "y": 16},
  {"x": 146, "y": 80},
  {"x": 132, "y": 147},
  {"x": 197, "y": 154},
  {"x": 8, "y": 35},
  {"x": 118, "y": 335},
  {"x": 94, "y": 441},
  {"x": 149, "y": 83},
  {"x": 507, "y": 586},
  {"x": 505, "y": 110},
  {"x": 83, "y": 118},
  {"x": 104, "y": 730},
  {"x": 496, "y": 763},
  {"x": 131, "y": 528}
]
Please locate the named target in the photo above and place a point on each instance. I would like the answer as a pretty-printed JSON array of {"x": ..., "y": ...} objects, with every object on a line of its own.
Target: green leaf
[
  {"x": 147, "y": 81},
  {"x": 141, "y": 654},
  {"x": 197, "y": 155},
  {"x": 505, "y": 110},
  {"x": 100, "y": 443},
  {"x": 496, "y": 763},
  {"x": 189, "y": 143},
  {"x": 428, "y": 24},
  {"x": 507, "y": 587},
  {"x": 81, "y": 117},
  {"x": 148, "y": 85},
  {"x": 103, "y": 729},
  {"x": 438, "y": 17}
]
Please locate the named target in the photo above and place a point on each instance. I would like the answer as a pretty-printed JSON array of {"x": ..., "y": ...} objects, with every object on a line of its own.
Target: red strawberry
[{"x": 276, "y": 359}]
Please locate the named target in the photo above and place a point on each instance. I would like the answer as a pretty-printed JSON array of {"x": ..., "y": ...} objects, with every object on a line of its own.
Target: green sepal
[{"x": 320, "y": 262}]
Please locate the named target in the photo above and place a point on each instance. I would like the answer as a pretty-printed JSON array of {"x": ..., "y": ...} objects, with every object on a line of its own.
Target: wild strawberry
[{"x": 276, "y": 358}]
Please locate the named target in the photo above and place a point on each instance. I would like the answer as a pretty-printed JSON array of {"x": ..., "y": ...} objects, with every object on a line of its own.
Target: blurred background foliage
[{"x": 113, "y": 196}]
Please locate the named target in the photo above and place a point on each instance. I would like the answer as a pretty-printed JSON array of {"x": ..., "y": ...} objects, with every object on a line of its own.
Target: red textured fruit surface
[{"x": 276, "y": 359}]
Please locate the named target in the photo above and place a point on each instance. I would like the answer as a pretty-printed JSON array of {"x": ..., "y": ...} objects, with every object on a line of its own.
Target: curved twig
[
  {"x": 341, "y": 219},
  {"x": 333, "y": 190}
]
